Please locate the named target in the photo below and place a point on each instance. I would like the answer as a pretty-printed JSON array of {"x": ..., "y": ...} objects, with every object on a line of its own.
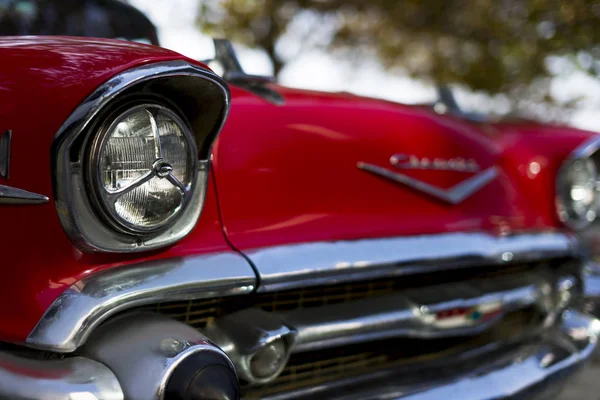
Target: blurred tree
[{"x": 495, "y": 46}]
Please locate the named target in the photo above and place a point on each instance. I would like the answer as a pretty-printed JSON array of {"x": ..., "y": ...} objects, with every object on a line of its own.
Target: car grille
[
  {"x": 200, "y": 312},
  {"x": 310, "y": 368},
  {"x": 317, "y": 367}
]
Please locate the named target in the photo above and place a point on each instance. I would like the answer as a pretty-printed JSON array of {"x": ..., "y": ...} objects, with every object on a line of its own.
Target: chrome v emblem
[{"x": 454, "y": 195}]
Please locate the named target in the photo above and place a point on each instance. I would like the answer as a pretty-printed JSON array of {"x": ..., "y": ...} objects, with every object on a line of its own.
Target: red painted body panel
[
  {"x": 289, "y": 174},
  {"x": 284, "y": 174},
  {"x": 42, "y": 80}
]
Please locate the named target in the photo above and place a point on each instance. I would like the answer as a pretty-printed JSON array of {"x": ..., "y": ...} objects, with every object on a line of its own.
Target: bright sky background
[{"x": 175, "y": 20}]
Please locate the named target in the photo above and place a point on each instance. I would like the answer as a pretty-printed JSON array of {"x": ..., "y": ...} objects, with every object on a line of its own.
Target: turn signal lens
[{"x": 269, "y": 360}]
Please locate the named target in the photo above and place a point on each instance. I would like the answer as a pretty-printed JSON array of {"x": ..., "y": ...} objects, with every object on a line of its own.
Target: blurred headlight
[
  {"x": 577, "y": 194},
  {"x": 142, "y": 167}
]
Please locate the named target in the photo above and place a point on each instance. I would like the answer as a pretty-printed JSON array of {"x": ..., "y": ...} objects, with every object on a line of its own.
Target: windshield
[{"x": 95, "y": 18}]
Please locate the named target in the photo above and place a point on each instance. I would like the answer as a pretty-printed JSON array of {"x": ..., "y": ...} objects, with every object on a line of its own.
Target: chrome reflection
[
  {"x": 68, "y": 322},
  {"x": 12, "y": 195},
  {"x": 81, "y": 222},
  {"x": 531, "y": 369},
  {"x": 308, "y": 264},
  {"x": 249, "y": 334},
  {"x": 453, "y": 195},
  {"x": 591, "y": 288},
  {"x": 441, "y": 311},
  {"x": 68, "y": 379},
  {"x": 144, "y": 351}
]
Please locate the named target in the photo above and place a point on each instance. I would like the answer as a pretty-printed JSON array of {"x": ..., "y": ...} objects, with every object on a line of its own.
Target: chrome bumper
[
  {"x": 69, "y": 379},
  {"x": 531, "y": 368}
]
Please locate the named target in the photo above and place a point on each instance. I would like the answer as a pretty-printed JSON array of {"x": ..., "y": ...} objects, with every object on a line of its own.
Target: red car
[{"x": 171, "y": 234}]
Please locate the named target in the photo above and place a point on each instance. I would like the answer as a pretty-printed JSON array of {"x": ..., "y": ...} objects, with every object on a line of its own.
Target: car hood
[{"x": 320, "y": 168}]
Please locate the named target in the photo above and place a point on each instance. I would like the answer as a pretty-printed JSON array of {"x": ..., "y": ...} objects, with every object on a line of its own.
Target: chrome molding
[
  {"x": 69, "y": 321},
  {"x": 450, "y": 310},
  {"x": 454, "y": 195},
  {"x": 87, "y": 230},
  {"x": 533, "y": 369},
  {"x": 12, "y": 195},
  {"x": 587, "y": 148},
  {"x": 310, "y": 264},
  {"x": 26, "y": 379}
]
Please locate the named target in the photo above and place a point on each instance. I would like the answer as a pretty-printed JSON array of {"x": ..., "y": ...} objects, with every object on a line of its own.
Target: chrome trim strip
[
  {"x": 531, "y": 370},
  {"x": 309, "y": 264},
  {"x": 453, "y": 195},
  {"x": 26, "y": 379},
  {"x": 587, "y": 148},
  {"x": 423, "y": 313},
  {"x": 71, "y": 318},
  {"x": 12, "y": 195}
]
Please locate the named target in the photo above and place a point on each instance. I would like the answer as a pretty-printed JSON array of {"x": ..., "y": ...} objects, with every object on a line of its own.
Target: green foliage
[{"x": 494, "y": 46}]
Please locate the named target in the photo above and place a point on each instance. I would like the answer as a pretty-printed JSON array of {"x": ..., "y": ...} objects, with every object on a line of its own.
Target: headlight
[
  {"x": 577, "y": 193},
  {"x": 142, "y": 167},
  {"x": 131, "y": 163}
]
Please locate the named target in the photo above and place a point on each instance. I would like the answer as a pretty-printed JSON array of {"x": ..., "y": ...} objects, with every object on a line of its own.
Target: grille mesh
[
  {"x": 313, "y": 368},
  {"x": 198, "y": 313}
]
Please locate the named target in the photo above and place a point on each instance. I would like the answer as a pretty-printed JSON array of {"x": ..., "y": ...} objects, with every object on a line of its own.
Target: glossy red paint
[
  {"x": 284, "y": 174},
  {"x": 289, "y": 174},
  {"x": 42, "y": 80}
]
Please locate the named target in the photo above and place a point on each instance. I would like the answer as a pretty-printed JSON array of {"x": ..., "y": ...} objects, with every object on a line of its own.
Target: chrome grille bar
[
  {"x": 439, "y": 311},
  {"x": 312, "y": 264},
  {"x": 434, "y": 312}
]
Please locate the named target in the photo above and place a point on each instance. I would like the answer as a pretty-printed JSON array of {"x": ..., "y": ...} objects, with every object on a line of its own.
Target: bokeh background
[
  {"x": 534, "y": 58},
  {"x": 529, "y": 58}
]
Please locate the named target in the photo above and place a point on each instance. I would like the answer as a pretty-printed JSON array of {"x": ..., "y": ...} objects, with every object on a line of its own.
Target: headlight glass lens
[
  {"x": 578, "y": 192},
  {"x": 145, "y": 167}
]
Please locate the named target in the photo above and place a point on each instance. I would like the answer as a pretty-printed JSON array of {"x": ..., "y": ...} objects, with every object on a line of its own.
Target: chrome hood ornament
[
  {"x": 8, "y": 194},
  {"x": 453, "y": 195}
]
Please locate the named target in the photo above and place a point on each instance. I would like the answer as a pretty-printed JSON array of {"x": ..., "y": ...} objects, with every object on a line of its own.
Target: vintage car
[{"x": 172, "y": 234}]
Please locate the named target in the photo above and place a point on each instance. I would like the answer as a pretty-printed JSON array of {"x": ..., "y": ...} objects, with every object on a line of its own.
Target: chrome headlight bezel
[
  {"x": 587, "y": 156},
  {"x": 102, "y": 199},
  {"x": 201, "y": 99}
]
